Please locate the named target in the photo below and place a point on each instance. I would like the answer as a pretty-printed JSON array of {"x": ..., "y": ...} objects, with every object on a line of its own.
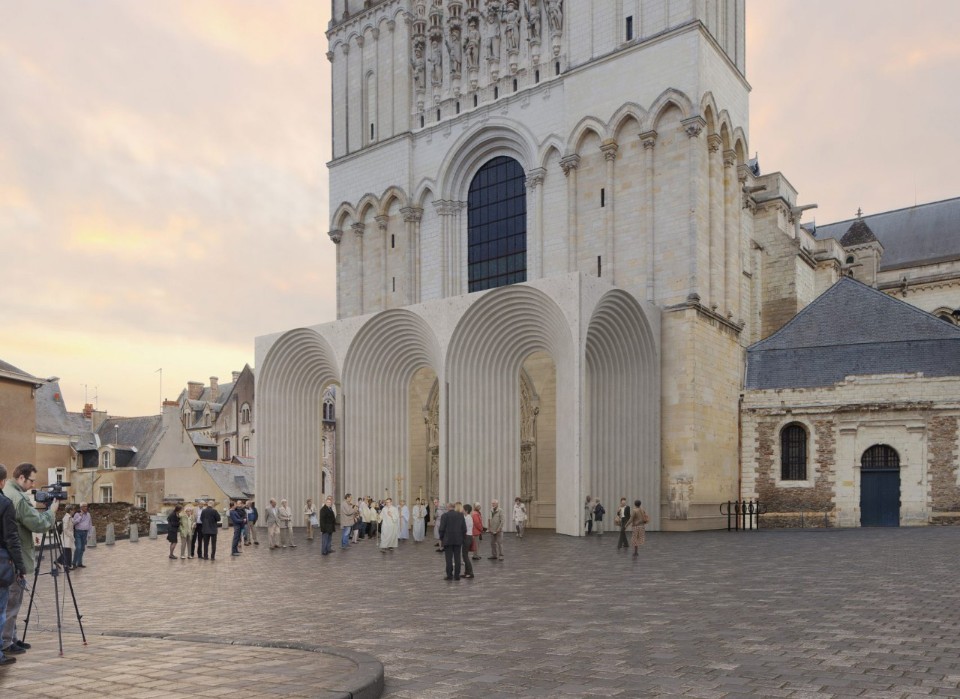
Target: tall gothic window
[
  {"x": 497, "y": 225},
  {"x": 793, "y": 453}
]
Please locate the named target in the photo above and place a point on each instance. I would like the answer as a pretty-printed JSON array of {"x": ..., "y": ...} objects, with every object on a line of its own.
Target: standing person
[
  {"x": 373, "y": 515},
  {"x": 419, "y": 520},
  {"x": 598, "y": 513},
  {"x": 477, "y": 531},
  {"x": 186, "y": 529},
  {"x": 438, "y": 512},
  {"x": 389, "y": 518},
  {"x": 82, "y": 524},
  {"x": 404, "y": 520},
  {"x": 467, "y": 539},
  {"x": 519, "y": 516},
  {"x": 11, "y": 554},
  {"x": 452, "y": 529},
  {"x": 286, "y": 525},
  {"x": 348, "y": 515},
  {"x": 623, "y": 520},
  {"x": 495, "y": 527},
  {"x": 273, "y": 524},
  {"x": 363, "y": 515},
  {"x": 197, "y": 537},
  {"x": 310, "y": 517},
  {"x": 173, "y": 528},
  {"x": 209, "y": 527},
  {"x": 327, "y": 522},
  {"x": 638, "y": 523},
  {"x": 251, "y": 528},
  {"x": 588, "y": 515},
  {"x": 67, "y": 540},
  {"x": 29, "y": 521},
  {"x": 238, "y": 519}
]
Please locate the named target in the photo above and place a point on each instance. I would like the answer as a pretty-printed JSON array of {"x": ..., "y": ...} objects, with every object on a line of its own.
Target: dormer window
[
  {"x": 850, "y": 259},
  {"x": 105, "y": 460}
]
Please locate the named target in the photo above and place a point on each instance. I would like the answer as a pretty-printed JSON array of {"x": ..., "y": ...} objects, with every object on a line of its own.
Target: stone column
[
  {"x": 412, "y": 216},
  {"x": 570, "y": 164},
  {"x": 358, "y": 229},
  {"x": 731, "y": 209},
  {"x": 693, "y": 127},
  {"x": 449, "y": 234},
  {"x": 649, "y": 140},
  {"x": 382, "y": 226},
  {"x": 715, "y": 292},
  {"x": 609, "y": 149},
  {"x": 535, "y": 230},
  {"x": 336, "y": 236}
]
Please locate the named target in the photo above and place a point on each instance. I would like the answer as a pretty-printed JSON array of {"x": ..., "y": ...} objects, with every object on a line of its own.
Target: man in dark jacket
[
  {"x": 209, "y": 526},
  {"x": 10, "y": 553},
  {"x": 328, "y": 525},
  {"x": 238, "y": 518},
  {"x": 453, "y": 530}
]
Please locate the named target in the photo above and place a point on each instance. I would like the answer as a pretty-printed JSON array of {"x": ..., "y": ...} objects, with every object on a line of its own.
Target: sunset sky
[{"x": 163, "y": 184}]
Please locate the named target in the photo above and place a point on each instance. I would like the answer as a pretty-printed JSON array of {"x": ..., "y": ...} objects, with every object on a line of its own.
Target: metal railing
[{"x": 742, "y": 514}]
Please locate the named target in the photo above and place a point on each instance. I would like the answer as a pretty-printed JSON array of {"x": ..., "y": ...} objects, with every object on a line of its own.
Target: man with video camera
[
  {"x": 12, "y": 568},
  {"x": 29, "y": 521}
]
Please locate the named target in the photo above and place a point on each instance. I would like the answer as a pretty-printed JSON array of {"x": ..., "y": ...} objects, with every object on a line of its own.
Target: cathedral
[{"x": 553, "y": 254}]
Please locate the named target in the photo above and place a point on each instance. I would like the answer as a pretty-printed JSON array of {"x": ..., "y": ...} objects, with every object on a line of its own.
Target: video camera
[{"x": 49, "y": 493}]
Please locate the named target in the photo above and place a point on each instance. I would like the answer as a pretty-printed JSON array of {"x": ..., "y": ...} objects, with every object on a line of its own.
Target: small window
[
  {"x": 105, "y": 460},
  {"x": 603, "y": 197},
  {"x": 599, "y": 266},
  {"x": 141, "y": 501},
  {"x": 438, "y": 115},
  {"x": 371, "y": 132},
  {"x": 850, "y": 259},
  {"x": 556, "y": 67},
  {"x": 458, "y": 107},
  {"x": 536, "y": 76},
  {"x": 394, "y": 279},
  {"x": 880, "y": 457},
  {"x": 393, "y": 242},
  {"x": 630, "y": 28},
  {"x": 496, "y": 93},
  {"x": 793, "y": 453},
  {"x": 245, "y": 445},
  {"x": 514, "y": 84},
  {"x": 475, "y": 101},
  {"x": 106, "y": 493},
  {"x": 421, "y": 121},
  {"x": 226, "y": 450}
]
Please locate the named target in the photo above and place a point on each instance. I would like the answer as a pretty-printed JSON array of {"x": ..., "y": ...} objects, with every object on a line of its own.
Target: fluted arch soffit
[
  {"x": 392, "y": 346},
  {"x": 620, "y": 334},
  {"x": 478, "y": 145},
  {"x": 299, "y": 359},
  {"x": 504, "y": 327}
]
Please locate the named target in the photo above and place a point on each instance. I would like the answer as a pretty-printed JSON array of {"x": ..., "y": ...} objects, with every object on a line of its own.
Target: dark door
[{"x": 880, "y": 498}]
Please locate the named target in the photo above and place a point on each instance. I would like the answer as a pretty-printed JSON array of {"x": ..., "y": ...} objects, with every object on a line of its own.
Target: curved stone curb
[{"x": 365, "y": 683}]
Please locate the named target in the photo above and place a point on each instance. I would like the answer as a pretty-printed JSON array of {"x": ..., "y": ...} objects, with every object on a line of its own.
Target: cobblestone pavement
[{"x": 871, "y": 612}]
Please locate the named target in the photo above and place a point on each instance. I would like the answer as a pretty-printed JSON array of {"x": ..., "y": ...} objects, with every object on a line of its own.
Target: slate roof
[
  {"x": 144, "y": 433},
  {"x": 853, "y": 329},
  {"x": 927, "y": 233},
  {"x": 12, "y": 372},
  {"x": 52, "y": 415},
  {"x": 201, "y": 440},
  {"x": 858, "y": 233},
  {"x": 235, "y": 481}
]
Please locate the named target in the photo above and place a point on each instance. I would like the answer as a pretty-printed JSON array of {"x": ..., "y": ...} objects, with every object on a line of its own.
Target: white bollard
[
  {"x": 111, "y": 535},
  {"x": 92, "y": 538},
  {"x": 134, "y": 534},
  {"x": 153, "y": 530}
]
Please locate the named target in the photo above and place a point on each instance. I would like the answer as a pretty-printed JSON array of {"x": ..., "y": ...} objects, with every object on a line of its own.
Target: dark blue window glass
[{"x": 497, "y": 225}]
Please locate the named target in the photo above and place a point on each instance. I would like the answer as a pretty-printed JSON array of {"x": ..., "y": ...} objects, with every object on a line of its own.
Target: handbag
[
  {"x": 646, "y": 517},
  {"x": 314, "y": 522},
  {"x": 616, "y": 521},
  {"x": 8, "y": 571}
]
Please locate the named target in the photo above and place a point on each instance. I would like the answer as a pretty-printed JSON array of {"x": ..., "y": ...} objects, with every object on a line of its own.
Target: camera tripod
[{"x": 56, "y": 554}]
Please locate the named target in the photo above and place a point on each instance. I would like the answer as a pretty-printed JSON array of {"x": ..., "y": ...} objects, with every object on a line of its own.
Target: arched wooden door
[{"x": 880, "y": 487}]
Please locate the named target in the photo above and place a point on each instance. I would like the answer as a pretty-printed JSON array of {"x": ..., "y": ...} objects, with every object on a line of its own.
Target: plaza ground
[{"x": 868, "y": 612}]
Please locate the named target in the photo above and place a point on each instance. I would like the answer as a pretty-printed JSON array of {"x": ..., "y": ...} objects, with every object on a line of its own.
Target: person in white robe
[
  {"x": 419, "y": 523},
  {"x": 389, "y": 519},
  {"x": 404, "y": 520}
]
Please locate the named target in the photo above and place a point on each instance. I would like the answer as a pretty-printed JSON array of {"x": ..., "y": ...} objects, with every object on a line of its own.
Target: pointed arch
[
  {"x": 625, "y": 112},
  {"x": 551, "y": 143},
  {"x": 740, "y": 145},
  {"x": 586, "y": 125},
  {"x": 389, "y": 196},
  {"x": 478, "y": 145},
  {"x": 667, "y": 99},
  {"x": 367, "y": 203},
  {"x": 426, "y": 187},
  {"x": 343, "y": 216}
]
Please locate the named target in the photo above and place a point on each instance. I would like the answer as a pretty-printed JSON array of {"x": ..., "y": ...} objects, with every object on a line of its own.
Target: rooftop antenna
[{"x": 161, "y": 387}]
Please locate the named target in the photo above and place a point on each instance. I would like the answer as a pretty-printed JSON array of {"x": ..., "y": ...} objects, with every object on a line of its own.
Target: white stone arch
[
  {"x": 668, "y": 98},
  {"x": 477, "y": 146},
  {"x": 343, "y": 216},
  {"x": 485, "y": 355},
  {"x": 551, "y": 143},
  {"x": 426, "y": 187},
  {"x": 622, "y": 404},
  {"x": 368, "y": 202},
  {"x": 379, "y": 364},
  {"x": 290, "y": 386},
  {"x": 391, "y": 194},
  {"x": 626, "y": 111},
  {"x": 588, "y": 123},
  {"x": 740, "y": 146},
  {"x": 708, "y": 101}
]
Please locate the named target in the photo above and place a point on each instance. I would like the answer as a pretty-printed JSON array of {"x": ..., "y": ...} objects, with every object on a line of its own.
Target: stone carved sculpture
[
  {"x": 436, "y": 61},
  {"x": 555, "y": 16},
  {"x": 419, "y": 68},
  {"x": 532, "y": 11},
  {"x": 528, "y": 439},
  {"x": 471, "y": 44},
  {"x": 511, "y": 27},
  {"x": 493, "y": 37},
  {"x": 455, "y": 51},
  {"x": 432, "y": 419}
]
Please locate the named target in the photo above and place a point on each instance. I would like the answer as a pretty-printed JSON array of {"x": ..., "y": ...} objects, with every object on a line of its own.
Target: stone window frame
[
  {"x": 811, "y": 479},
  {"x": 106, "y": 493}
]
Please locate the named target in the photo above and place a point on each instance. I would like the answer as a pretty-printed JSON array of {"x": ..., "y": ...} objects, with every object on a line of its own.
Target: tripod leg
[
  {"x": 73, "y": 596},
  {"x": 33, "y": 590}
]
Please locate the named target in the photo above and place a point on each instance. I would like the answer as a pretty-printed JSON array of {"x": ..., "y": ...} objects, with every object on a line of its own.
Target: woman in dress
[
  {"x": 286, "y": 523},
  {"x": 638, "y": 523},
  {"x": 173, "y": 528},
  {"x": 309, "y": 515},
  {"x": 477, "y": 531},
  {"x": 419, "y": 521},
  {"x": 404, "y": 520},
  {"x": 186, "y": 531},
  {"x": 519, "y": 516},
  {"x": 389, "y": 519}
]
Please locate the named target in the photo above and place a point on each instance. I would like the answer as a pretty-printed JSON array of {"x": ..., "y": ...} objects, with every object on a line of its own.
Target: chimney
[
  {"x": 88, "y": 410},
  {"x": 236, "y": 376},
  {"x": 214, "y": 388},
  {"x": 194, "y": 390},
  {"x": 171, "y": 413},
  {"x": 97, "y": 419}
]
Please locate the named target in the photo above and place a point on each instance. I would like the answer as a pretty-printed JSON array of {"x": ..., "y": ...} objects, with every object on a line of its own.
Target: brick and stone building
[{"x": 219, "y": 417}]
